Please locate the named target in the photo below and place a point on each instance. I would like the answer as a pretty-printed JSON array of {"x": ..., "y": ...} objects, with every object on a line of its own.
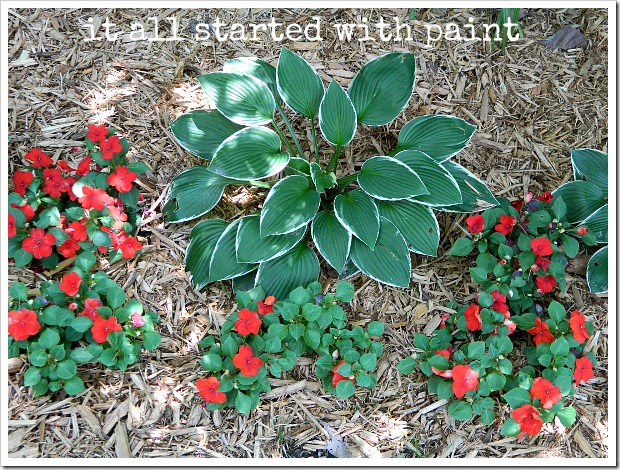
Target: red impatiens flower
[
  {"x": 245, "y": 361},
  {"x": 545, "y": 197},
  {"x": 465, "y": 379},
  {"x": 23, "y": 323},
  {"x": 472, "y": 314},
  {"x": 541, "y": 332},
  {"x": 583, "y": 230},
  {"x": 543, "y": 263},
  {"x": 83, "y": 167},
  {"x": 541, "y": 246},
  {"x": 119, "y": 217},
  {"x": 128, "y": 245},
  {"x": 475, "y": 223},
  {"x": 90, "y": 308},
  {"x": 208, "y": 390},
  {"x": 578, "y": 325},
  {"x": 77, "y": 230},
  {"x": 110, "y": 147},
  {"x": 266, "y": 306},
  {"x": 54, "y": 184},
  {"x": 583, "y": 370},
  {"x": 69, "y": 248},
  {"x": 96, "y": 133},
  {"x": 12, "y": 228},
  {"x": 338, "y": 376},
  {"x": 517, "y": 204},
  {"x": 122, "y": 179},
  {"x": 39, "y": 243},
  {"x": 545, "y": 284},
  {"x": 248, "y": 322},
  {"x": 39, "y": 159},
  {"x": 546, "y": 392},
  {"x": 21, "y": 181},
  {"x": 70, "y": 283},
  {"x": 499, "y": 302},
  {"x": 95, "y": 198},
  {"x": 102, "y": 328},
  {"x": 26, "y": 209},
  {"x": 137, "y": 320},
  {"x": 445, "y": 352},
  {"x": 529, "y": 420},
  {"x": 506, "y": 223}
]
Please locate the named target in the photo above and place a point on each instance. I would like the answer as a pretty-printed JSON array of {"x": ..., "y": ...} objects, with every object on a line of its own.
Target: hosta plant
[{"x": 369, "y": 220}]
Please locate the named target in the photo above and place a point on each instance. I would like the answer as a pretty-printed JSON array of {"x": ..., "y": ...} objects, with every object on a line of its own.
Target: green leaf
[
  {"x": 229, "y": 346},
  {"x": 382, "y": 88},
  {"x": 475, "y": 350},
  {"x": 298, "y": 267},
  {"x": 344, "y": 291},
  {"x": 211, "y": 362},
  {"x": 516, "y": 397},
  {"x": 256, "y": 68},
  {"x": 244, "y": 282},
  {"x": 243, "y": 403},
  {"x": 22, "y": 258},
  {"x": 81, "y": 324},
  {"x": 300, "y": 296},
  {"x": 560, "y": 347},
  {"x": 559, "y": 208},
  {"x": 251, "y": 248},
  {"x": 439, "y": 362},
  {"x": 202, "y": 241},
  {"x": 416, "y": 223},
  {"x": 598, "y": 224},
  {"x": 249, "y": 154},
  {"x": 296, "y": 330},
  {"x": 291, "y": 204},
  {"x": 496, "y": 381},
  {"x": 18, "y": 291},
  {"x": 444, "y": 390},
  {"x": 321, "y": 180},
  {"x": 344, "y": 389},
  {"x": 510, "y": 428},
  {"x": 582, "y": 199},
  {"x": 597, "y": 272},
  {"x": 375, "y": 328},
  {"x": 368, "y": 361},
  {"x": 151, "y": 340},
  {"x": 357, "y": 213},
  {"x": 387, "y": 178},
  {"x": 49, "y": 338},
  {"x": 201, "y": 132},
  {"x": 66, "y": 369},
  {"x": 300, "y": 165},
  {"x": 364, "y": 379},
  {"x": 405, "y": 366},
  {"x": 438, "y": 136},
  {"x": 331, "y": 239},
  {"x": 556, "y": 311},
  {"x": 74, "y": 385},
  {"x": 312, "y": 338},
  {"x": 81, "y": 355},
  {"x": 592, "y": 165},
  {"x": 460, "y": 410},
  {"x": 38, "y": 358},
  {"x": 475, "y": 193},
  {"x": 299, "y": 84},
  {"x": 224, "y": 264},
  {"x": 32, "y": 376},
  {"x": 337, "y": 117},
  {"x": 85, "y": 261},
  {"x": 462, "y": 247},
  {"x": 487, "y": 416},
  {"x": 243, "y": 99},
  {"x": 116, "y": 298},
  {"x": 48, "y": 218},
  {"x": 567, "y": 416}
]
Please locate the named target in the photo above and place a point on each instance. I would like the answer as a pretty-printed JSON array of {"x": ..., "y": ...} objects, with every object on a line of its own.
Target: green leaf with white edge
[
  {"x": 298, "y": 83},
  {"x": 389, "y": 262},
  {"x": 48, "y": 218},
  {"x": 357, "y": 213},
  {"x": 224, "y": 264},
  {"x": 74, "y": 385},
  {"x": 460, "y": 410},
  {"x": 462, "y": 247},
  {"x": 250, "y": 154},
  {"x": 243, "y": 99},
  {"x": 193, "y": 193},
  {"x": 567, "y": 416},
  {"x": 438, "y": 136},
  {"x": 582, "y": 199},
  {"x": 245, "y": 282},
  {"x": 300, "y": 165},
  {"x": 383, "y": 87},
  {"x": 475, "y": 193},
  {"x": 243, "y": 403},
  {"x": 591, "y": 165},
  {"x": 345, "y": 291},
  {"x": 516, "y": 397},
  {"x": 202, "y": 131},
  {"x": 337, "y": 117},
  {"x": 331, "y": 239},
  {"x": 291, "y": 204},
  {"x": 570, "y": 246},
  {"x": 256, "y": 68},
  {"x": 510, "y": 428},
  {"x": 389, "y": 179},
  {"x": 443, "y": 188},
  {"x": 251, "y": 248},
  {"x": 344, "y": 389},
  {"x": 416, "y": 223},
  {"x": 202, "y": 241},
  {"x": 598, "y": 224},
  {"x": 298, "y": 267},
  {"x": 597, "y": 272},
  {"x": 321, "y": 180}
]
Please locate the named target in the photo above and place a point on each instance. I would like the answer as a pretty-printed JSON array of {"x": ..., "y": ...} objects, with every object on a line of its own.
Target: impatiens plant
[
  {"x": 368, "y": 220},
  {"x": 57, "y": 212},
  {"x": 265, "y": 337},
  {"x": 83, "y": 318}
]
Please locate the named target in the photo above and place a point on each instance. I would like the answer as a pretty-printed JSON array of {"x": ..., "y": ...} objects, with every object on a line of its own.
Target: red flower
[
  {"x": 137, "y": 320},
  {"x": 83, "y": 167},
  {"x": 472, "y": 314},
  {"x": 529, "y": 420},
  {"x": 583, "y": 370},
  {"x": 102, "y": 328},
  {"x": 26, "y": 209},
  {"x": 208, "y": 390},
  {"x": 266, "y": 306},
  {"x": 77, "y": 230},
  {"x": 247, "y": 323},
  {"x": 338, "y": 376},
  {"x": 122, "y": 179},
  {"x": 541, "y": 332},
  {"x": 512, "y": 326},
  {"x": 69, "y": 248},
  {"x": 546, "y": 392},
  {"x": 578, "y": 325},
  {"x": 517, "y": 204},
  {"x": 64, "y": 166},
  {"x": 506, "y": 223},
  {"x": 96, "y": 133},
  {"x": 499, "y": 304},
  {"x": 583, "y": 230},
  {"x": 541, "y": 246},
  {"x": 54, "y": 183},
  {"x": 119, "y": 217},
  {"x": 445, "y": 352},
  {"x": 546, "y": 197},
  {"x": 90, "y": 308},
  {"x": 129, "y": 246},
  {"x": 475, "y": 223},
  {"x": 545, "y": 284},
  {"x": 39, "y": 243},
  {"x": 95, "y": 198},
  {"x": 21, "y": 181},
  {"x": 543, "y": 263},
  {"x": 70, "y": 284},
  {"x": 245, "y": 361},
  {"x": 12, "y": 228},
  {"x": 39, "y": 159},
  {"x": 23, "y": 323},
  {"x": 465, "y": 379},
  {"x": 109, "y": 147}
]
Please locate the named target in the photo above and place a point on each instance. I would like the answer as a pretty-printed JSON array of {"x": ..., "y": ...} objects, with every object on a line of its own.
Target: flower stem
[
  {"x": 334, "y": 161},
  {"x": 314, "y": 143},
  {"x": 283, "y": 137},
  {"x": 290, "y": 129},
  {"x": 259, "y": 184}
]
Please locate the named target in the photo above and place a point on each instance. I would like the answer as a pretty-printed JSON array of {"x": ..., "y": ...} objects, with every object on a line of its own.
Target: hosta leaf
[
  {"x": 337, "y": 118},
  {"x": 291, "y": 204},
  {"x": 357, "y": 212},
  {"x": 382, "y": 88},
  {"x": 298, "y": 267},
  {"x": 438, "y": 136},
  {"x": 193, "y": 193},
  {"x": 443, "y": 188},
  {"x": 598, "y": 224},
  {"x": 244, "y": 282},
  {"x": 331, "y": 239},
  {"x": 257, "y": 68},
  {"x": 243, "y": 99},
  {"x": 416, "y": 223},
  {"x": 299, "y": 84},
  {"x": 224, "y": 264},
  {"x": 350, "y": 269},
  {"x": 591, "y": 165},
  {"x": 475, "y": 193},
  {"x": 582, "y": 199},
  {"x": 251, "y": 248},
  {"x": 390, "y": 262},
  {"x": 252, "y": 153},
  {"x": 201, "y": 132},
  {"x": 202, "y": 241},
  {"x": 389, "y": 179},
  {"x": 299, "y": 164},
  {"x": 321, "y": 180},
  {"x": 597, "y": 272}
]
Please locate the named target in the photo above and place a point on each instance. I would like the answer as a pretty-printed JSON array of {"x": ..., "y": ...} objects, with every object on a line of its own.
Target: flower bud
[
  {"x": 335, "y": 354},
  {"x": 538, "y": 308},
  {"x": 583, "y": 230},
  {"x": 319, "y": 298},
  {"x": 42, "y": 300}
]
